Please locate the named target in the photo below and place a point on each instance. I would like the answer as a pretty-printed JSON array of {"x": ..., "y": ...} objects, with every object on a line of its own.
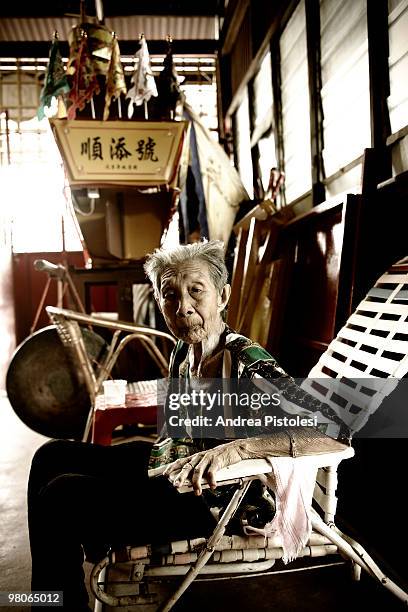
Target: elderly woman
[{"x": 82, "y": 495}]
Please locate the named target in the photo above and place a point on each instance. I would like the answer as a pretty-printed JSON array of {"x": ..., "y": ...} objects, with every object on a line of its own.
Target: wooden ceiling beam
[
  {"x": 127, "y": 47},
  {"x": 59, "y": 8},
  {"x": 233, "y": 19}
]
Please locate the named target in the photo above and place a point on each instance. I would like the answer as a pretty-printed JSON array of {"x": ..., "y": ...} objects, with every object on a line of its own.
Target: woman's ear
[{"x": 224, "y": 297}]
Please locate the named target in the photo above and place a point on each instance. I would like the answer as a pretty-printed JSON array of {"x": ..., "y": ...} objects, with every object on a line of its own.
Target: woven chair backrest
[{"x": 369, "y": 356}]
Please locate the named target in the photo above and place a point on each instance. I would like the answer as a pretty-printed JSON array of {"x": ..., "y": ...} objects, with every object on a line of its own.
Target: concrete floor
[
  {"x": 327, "y": 588},
  {"x": 18, "y": 444}
]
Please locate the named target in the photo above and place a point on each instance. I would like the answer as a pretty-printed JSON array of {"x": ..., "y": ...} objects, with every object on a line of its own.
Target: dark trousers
[{"x": 83, "y": 496}]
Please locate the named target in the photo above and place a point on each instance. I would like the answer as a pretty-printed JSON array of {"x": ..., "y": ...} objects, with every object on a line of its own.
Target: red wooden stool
[{"x": 141, "y": 407}]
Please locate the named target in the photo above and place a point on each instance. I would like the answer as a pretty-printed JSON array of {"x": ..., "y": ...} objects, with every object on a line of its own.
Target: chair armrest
[
  {"x": 250, "y": 468},
  {"x": 246, "y": 467}
]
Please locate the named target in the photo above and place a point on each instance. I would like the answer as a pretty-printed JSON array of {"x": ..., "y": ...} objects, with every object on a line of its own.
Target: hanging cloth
[
  {"x": 85, "y": 84},
  {"x": 115, "y": 80},
  {"x": 55, "y": 82},
  {"x": 144, "y": 85},
  {"x": 168, "y": 85}
]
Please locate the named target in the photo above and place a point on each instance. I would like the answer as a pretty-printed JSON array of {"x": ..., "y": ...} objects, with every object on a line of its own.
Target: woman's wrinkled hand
[{"x": 205, "y": 464}]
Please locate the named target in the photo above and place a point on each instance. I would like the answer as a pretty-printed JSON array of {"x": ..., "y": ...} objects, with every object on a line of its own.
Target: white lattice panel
[{"x": 369, "y": 354}]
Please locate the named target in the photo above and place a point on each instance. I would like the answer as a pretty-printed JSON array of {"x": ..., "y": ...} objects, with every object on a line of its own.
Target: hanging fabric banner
[
  {"x": 84, "y": 82},
  {"x": 55, "y": 81},
  {"x": 144, "y": 85},
  {"x": 219, "y": 185},
  {"x": 115, "y": 80},
  {"x": 168, "y": 85}
]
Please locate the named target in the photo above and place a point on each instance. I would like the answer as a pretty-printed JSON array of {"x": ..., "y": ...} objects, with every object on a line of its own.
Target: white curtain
[
  {"x": 398, "y": 63},
  {"x": 263, "y": 133},
  {"x": 243, "y": 144},
  {"x": 295, "y": 105},
  {"x": 263, "y": 97},
  {"x": 345, "y": 81}
]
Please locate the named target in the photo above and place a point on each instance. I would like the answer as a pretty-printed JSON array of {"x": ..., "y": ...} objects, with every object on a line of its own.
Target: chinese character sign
[
  {"x": 124, "y": 152},
  {"x": 93, "y": 150},
  {"x": 145, "y": 149},
  {"x": 118, "y": 149}
]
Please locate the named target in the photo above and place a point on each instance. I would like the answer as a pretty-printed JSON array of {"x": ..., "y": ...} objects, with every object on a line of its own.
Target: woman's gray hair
[{"x": 211, "y": 253}]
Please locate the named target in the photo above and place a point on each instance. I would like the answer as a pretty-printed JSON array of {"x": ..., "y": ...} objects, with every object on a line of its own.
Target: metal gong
[{"x": 44, "y": 387}]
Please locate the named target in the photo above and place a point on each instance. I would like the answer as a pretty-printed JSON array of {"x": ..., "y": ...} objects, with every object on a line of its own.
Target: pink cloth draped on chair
[{"x": 293, "y": 482}]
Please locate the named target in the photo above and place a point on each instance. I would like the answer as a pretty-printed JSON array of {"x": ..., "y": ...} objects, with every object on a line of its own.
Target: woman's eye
[
  {"x": 169, "y": 295},
  {"x": 195, "y": 290}
]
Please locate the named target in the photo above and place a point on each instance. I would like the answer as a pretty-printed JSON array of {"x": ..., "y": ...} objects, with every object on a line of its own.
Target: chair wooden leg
[
  {"x": 210, "y": 546},
  {"x": 357, "y": 554},
  {"x": 355, "y": 571},
  {"x": 129, "y": 600}
]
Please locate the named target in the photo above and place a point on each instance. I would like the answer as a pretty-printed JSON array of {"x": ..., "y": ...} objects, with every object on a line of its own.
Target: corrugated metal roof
[{"x": 154, "y": 27}]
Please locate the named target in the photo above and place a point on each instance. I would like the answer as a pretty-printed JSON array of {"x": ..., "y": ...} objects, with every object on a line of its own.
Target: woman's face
[{"x": 190, "y": 303}]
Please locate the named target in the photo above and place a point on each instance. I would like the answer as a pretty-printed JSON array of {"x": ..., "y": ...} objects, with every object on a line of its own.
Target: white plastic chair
[
  {"x": 372, "y": 345},
  {"x": 221, "y": 554}
]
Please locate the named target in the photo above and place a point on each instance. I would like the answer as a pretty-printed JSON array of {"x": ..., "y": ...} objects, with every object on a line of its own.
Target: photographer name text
[{"x": 241, "y": 421}]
